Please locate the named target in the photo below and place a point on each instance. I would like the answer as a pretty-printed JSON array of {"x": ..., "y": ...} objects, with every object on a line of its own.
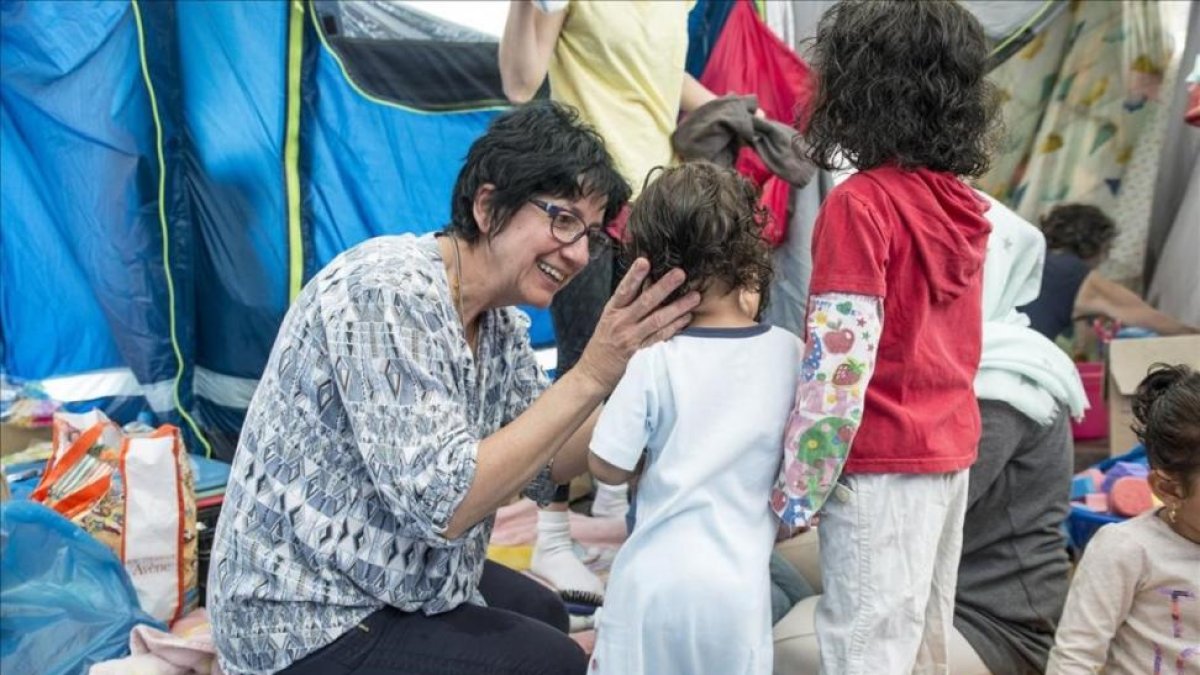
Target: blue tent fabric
[
  {"x": 233, "y": 68},
  {"x": 234, "y": 118},
  {"x": 360, "y": 186},
  {"x": 82, "y": 272},
  {"x": 94, "y": 302}
]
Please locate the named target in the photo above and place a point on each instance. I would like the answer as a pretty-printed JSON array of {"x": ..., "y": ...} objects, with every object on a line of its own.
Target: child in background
[
  {"x": 1134, "y": 605},
  {"x": 885, "y": 418},
  {"x": 1078, "y": 239},
  {"x": 689, "y": 590}
]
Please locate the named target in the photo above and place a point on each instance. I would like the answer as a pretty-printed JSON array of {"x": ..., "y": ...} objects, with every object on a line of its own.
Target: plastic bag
[
  {"x": 65, "y": 598},
  {"x": 134, "y": 492}
]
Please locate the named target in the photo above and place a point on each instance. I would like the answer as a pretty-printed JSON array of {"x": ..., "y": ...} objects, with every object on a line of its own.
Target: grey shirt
[{"x": 357, "y": 448}]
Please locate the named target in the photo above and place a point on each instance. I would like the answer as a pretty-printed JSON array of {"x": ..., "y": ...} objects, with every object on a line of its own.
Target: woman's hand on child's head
[{"x": 634, "y": 318}]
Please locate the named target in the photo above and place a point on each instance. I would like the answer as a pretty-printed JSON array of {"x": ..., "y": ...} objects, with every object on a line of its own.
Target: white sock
[
  {"x": 612, "y": 501},
  {"x": 554, "y": 556}
]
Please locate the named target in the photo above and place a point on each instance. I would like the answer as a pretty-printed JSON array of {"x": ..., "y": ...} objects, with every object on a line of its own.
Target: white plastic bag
[{"x": 136, "y": 494}]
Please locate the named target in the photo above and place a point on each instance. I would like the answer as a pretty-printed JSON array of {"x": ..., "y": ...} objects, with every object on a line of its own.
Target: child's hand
[{"x": 786, "y": 531}]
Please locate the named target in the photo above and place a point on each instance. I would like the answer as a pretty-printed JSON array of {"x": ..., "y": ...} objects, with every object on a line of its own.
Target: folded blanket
[{"x": 187, "y": 649}]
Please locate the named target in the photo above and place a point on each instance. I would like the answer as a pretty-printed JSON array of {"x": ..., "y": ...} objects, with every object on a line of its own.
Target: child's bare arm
[{"x": 607, "y": 473}]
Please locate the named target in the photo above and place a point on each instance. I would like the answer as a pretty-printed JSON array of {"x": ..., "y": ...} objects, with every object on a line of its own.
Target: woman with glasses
[{"x": 402, "y": 405}]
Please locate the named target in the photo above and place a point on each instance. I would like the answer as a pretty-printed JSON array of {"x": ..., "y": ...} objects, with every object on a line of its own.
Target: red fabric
[
  {"x": 917, "y": 239},
  {"x": 1192, "y": 115},
  {"x": 776, "y": 198},
  {"x": 749, "y": 59},
  {"x": 750, "y": 165}
]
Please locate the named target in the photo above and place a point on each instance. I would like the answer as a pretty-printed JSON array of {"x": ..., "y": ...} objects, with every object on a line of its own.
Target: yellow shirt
[{"x": 621, "y": 64}]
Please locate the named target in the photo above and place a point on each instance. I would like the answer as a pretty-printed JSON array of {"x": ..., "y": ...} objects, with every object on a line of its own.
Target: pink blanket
[
  {"x": 187, "y": 649},
  {"x": 516, "y": 525}
]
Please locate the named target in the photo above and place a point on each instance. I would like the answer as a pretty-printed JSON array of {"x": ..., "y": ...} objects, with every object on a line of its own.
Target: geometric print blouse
[{"x": 357, "y": 447}]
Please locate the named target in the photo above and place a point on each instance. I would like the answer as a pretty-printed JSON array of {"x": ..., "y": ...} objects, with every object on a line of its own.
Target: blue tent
[{"x": 174, "y": 172}]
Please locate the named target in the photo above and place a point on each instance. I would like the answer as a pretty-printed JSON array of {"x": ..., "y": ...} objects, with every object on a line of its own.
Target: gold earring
[{"x": 1173, "y": 513}]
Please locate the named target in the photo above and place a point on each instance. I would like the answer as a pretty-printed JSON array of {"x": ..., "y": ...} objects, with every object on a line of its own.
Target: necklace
[{"x": 456, "y": 291}]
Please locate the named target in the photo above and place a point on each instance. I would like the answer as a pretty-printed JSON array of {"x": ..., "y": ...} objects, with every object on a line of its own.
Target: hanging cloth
[{"x": 749, "y": 59}]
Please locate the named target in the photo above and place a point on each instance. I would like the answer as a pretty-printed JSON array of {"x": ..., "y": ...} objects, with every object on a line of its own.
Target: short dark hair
[
  {"x": 705, "y": 220},
  {"x": 1166, "y": 410},
  {"x": 1081, "y": 229},
  {"x": 902, "y": 82},
  {"x": 541, "y": 148}
]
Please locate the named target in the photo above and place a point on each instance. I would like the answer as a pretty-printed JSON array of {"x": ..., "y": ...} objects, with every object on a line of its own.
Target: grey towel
[{"x": 718, "y": 129}]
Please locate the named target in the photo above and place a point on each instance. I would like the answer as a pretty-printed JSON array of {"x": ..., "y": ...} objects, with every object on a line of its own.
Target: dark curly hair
[
  {"x": 538, "y": 149},
  {"x": 1081, "y": 229},
  {"x": 705, "y": 220},
  {"x": 1166, "y": 413},
  {"x": 902, "y": 82}
]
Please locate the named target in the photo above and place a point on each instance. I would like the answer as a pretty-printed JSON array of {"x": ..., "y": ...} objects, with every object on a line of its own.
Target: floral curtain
[{"x": 1080, "y": 106}]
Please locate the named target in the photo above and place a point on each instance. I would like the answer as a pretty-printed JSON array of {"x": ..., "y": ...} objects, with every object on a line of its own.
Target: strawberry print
[
  {"x": 834, "y": 374},
  {"x": 849, "y": 373}
]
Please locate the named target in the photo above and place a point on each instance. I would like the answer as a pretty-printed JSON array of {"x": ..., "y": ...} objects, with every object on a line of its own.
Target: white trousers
[{"x": 890, "y": 547}]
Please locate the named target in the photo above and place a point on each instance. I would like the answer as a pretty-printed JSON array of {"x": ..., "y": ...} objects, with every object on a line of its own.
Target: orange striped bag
[{"x": 115, "y": 485}]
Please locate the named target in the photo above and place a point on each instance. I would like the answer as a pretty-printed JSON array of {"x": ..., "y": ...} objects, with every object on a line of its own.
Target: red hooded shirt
[{"x": 917, "y": 239}]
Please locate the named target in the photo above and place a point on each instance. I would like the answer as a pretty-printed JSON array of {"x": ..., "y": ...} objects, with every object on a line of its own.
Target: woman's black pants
[{"x": 523, "y": 630}]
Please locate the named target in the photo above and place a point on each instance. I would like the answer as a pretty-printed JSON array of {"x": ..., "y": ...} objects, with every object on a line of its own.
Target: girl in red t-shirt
[{"x": 885, "y": 419}]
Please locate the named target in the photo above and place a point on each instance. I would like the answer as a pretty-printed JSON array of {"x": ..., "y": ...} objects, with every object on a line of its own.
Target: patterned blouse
[{"x": 357, "y": 448}]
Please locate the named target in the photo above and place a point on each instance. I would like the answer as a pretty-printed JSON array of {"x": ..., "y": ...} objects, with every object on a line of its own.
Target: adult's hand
[{"x": 634, "y": 318}]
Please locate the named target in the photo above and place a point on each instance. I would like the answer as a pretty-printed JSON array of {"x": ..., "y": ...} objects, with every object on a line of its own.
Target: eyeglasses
[{"x": 567, "y": 227}]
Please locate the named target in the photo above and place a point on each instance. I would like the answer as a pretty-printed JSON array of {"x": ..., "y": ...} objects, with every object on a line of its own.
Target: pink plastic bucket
[{"x": 1095, "y": 421}]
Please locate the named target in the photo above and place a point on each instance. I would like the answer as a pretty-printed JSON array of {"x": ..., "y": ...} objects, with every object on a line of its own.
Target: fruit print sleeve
[{"x": 843, "y": 332}]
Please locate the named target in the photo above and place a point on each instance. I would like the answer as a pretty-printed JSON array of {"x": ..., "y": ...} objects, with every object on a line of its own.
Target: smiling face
[{"x": 528, "y": 264}]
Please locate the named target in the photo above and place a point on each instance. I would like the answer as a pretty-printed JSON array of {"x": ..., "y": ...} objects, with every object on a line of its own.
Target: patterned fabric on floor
[
  {"x": 597, "y": 540},
  {"x": 516, "y": 529}
]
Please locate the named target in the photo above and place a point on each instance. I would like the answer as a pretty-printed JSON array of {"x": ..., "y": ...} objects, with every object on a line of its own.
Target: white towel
[{"x": 1018, "y": 365}]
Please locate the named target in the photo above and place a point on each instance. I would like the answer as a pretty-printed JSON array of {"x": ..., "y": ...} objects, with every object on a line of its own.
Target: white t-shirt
[
  {"x": 689, "y": 591},
  {"x": 1133, "y": 607}
]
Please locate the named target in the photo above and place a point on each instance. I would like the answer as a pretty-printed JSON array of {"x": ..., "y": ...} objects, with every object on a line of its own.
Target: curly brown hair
[
  {"x": 1081, "y": 229},
  {"x": 705, "y": 220},
  {"x": 1166, "y": 413},
  {"x": 902, "y": 82}
]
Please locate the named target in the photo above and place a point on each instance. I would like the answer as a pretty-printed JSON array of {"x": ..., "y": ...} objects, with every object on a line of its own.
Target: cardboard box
[{"x": 1128, "y": 362}]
